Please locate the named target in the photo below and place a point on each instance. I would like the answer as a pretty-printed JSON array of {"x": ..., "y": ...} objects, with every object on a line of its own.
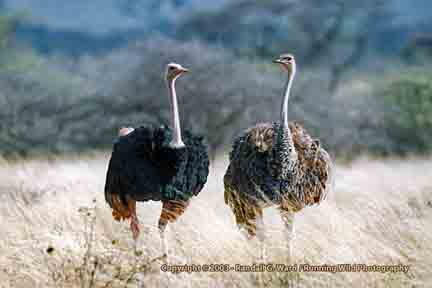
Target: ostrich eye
[
  {"x": 171, "y": 68},
  {"x": 289, "y": 58}
]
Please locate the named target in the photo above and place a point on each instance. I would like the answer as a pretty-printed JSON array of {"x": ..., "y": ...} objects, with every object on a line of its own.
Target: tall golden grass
[{"x": 57, "y": 231}]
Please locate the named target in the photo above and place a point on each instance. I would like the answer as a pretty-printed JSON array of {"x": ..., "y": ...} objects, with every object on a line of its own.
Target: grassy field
[{"x": 57, "y": 231}]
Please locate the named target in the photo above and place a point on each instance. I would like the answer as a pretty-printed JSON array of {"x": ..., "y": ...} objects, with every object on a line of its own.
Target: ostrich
[
  {"x": 276, "y": 164},
  {"x": 158, "y": 164}
]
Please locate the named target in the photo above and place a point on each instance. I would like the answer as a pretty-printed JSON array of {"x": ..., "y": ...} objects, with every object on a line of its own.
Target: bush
[
  {"x": 64, "y": 105},
  {"x": 6, "y": 27},
  {"x": 408, "y": 120}
]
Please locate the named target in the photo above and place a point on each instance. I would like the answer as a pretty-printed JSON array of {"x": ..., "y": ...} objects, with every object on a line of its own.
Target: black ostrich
[{"x": 159, "y": 164}]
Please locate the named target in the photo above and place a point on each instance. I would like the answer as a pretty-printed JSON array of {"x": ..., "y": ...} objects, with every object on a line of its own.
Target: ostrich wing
[
  {"x": 315, "y": 167},
  {"x": 183, "y": 171},
  {"x": 133, "y": 170},
  {"x": 197, "y": 167},
  {"x": 248, "y": 174}
]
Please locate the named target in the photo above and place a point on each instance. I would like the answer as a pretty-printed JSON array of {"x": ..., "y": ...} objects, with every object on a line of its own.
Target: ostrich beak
[
  {"x": 184, "y": 70},
  {"x": 277, "y": 60}
]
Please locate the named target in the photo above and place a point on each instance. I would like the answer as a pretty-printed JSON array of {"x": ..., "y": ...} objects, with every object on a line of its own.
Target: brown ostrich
[{"x": 276, "y": 164}]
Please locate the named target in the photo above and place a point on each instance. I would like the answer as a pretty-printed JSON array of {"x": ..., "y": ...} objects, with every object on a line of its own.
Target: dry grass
[{"x": 55, "y": 235}]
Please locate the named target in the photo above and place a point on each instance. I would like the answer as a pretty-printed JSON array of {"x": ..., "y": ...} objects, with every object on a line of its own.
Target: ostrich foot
[
  {"x": 262, "y": 251},
  {"x": 263, "y": 254},
  {"x": 260, "y": 232},
  {"x": 288, "y": 220},
  {"x": 164, "y": 246}
]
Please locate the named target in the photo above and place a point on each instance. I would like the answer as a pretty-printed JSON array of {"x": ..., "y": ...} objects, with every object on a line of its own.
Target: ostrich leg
[
  {"x": 261, "y": 235},
  {"x": 171, "y": 210},
  {"x": 288, "y": 220},
  {"x": 134, "y": 224},
  {"x": 124, "y": 212},
  {"x": 254, "y": 225},
  {"x": 162, "y": 227}
]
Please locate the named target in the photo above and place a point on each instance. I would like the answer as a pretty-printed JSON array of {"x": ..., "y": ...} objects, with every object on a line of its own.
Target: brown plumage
[
  {"x": 276, "y": 164},
  {"x": 313, "y": 166}
]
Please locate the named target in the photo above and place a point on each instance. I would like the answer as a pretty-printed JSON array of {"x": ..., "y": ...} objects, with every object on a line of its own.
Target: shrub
[
  {"x": 408, "y": 120},
  {"x": 63, "y": 105}
]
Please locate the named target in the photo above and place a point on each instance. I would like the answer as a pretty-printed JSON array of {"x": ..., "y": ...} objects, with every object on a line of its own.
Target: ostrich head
[
  {"x": 173, "y": 71},
  {"x": 287, "y": 61}
]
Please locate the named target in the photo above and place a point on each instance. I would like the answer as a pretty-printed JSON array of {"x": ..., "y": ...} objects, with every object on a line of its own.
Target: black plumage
[
  {"x": 159, "y": 164},
  {"x": 144, "y": 167}
]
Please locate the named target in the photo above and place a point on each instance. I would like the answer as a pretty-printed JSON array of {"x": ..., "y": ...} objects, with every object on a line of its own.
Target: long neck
[
  {"x": 284, "y": 108},
  {"x": 285, "y": 156},
  {"x": 176, "y": 141}
]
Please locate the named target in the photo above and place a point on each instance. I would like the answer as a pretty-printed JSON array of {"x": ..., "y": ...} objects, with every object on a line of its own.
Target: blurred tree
[
  {"x": 409, "y": 119},
  {"x": 79, "y": 104},
  {"x": 13, "y": 56},
  {"x": 6, "y": 29},
  {"x": 321, "y": 33},
  {"x": 419, "y": 49}
]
